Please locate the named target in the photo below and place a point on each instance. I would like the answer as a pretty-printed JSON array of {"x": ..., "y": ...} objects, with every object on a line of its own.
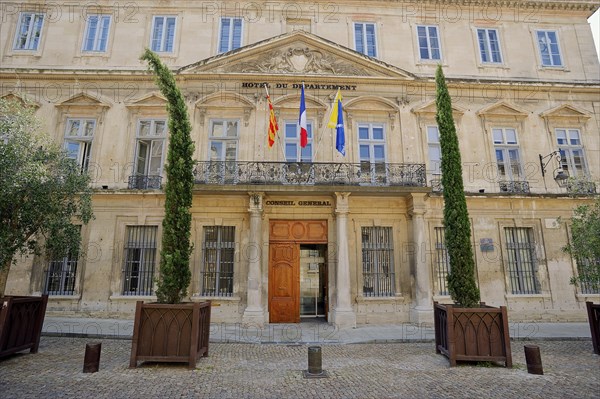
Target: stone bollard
[
  {"x": 91, "y": 361},
  {"x": 315, "y": 369},
  {"x": 533, "y": 359}
]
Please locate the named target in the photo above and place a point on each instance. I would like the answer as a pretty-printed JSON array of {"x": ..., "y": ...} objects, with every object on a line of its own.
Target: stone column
[
  {"x": 343, "y": 315},
  {"x": 422, "y": 308},
  {"x": 254, "y": 313}
]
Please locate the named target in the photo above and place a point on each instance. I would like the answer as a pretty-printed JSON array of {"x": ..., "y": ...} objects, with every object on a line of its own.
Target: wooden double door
[{"x": 297, "y": 270}]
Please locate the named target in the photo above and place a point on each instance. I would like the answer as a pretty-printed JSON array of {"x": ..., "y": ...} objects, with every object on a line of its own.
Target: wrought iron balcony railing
[
  {"x": 517, "y": 187},
  {"x": 144, "y": 182},
  {"x": 315, "y": 173},
  {"x": 580, "y": 186}
]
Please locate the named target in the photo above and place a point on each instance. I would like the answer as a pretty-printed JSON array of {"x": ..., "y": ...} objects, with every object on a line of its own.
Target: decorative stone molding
[{"x": 299, "y": 59}]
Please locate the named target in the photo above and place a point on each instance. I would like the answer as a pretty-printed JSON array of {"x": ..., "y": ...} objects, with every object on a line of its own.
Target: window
[
  {"x": 371, "y": 144},
  {"x": 223, "y": 143},
  {"x": 163, "y": 34},
  {"x": 507, "y": 154},
  {"x": 96, "y": 33},
  {"x": 572, "y": 159},
  {"x": 218, "y": 250},
  {"x": 442, "y": 261},
  {"x": 29, "y": 31},
  {"x": 520, "y": 258},
  {"x": 59, "y": 279},
  {"x": 378, "y": 261},
  {"x": 140, "y": 260},
  {"x": 79, "y": 134},
  {"x": 364, "y": 39},
  {"x": 586, "y": 268},
  {"x": 149, "y": 153},
  {"x": 293, "y": 151},
  {"x": 489, "y": 46},
  {"x": 549, "y": 48},
  {"x": 429, "y": 42},
  {"x": 434, "y": 150},
  {"x": 230, "y": 37}
]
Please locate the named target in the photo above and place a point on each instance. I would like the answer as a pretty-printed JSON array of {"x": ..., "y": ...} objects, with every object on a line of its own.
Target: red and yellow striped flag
[{"x": 273, "y": 127}]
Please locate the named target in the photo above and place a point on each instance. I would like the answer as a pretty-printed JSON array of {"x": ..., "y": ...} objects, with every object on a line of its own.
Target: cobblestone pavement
[{"x": 237, "y": 370}]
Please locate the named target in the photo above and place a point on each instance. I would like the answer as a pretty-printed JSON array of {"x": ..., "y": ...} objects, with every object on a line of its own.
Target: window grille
[
  {"x": 140, "y": 260},
  {"x": 60, "y": 276},
  {"x": 587, "y": 285},
  {"x": 521, "y": 260},
  {"x": 442, "y": 261},
  {"x": 218, "y": 250},
  {"x": 378, "y": 262}
]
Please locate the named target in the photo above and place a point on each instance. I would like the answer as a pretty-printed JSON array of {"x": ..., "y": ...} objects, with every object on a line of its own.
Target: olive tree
[{"x": 43, "y": 194}]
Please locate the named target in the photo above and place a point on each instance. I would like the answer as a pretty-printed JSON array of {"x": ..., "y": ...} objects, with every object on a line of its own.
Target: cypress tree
[
  {"x": 175, "y": 272},
  {"x": 461, "y": 278}
]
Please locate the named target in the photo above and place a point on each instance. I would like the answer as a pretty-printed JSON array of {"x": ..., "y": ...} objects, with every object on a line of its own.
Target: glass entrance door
[{"x": 313, "y": 280}]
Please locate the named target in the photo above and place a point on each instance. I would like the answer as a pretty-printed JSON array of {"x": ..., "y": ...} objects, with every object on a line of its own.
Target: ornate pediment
[
  {"x": 299, "y": 59},
  {"x": 566, "y": 111},
  {"x": 430, "y": 109},
  {"x": 296, "y": 53},
  {"x": 503, "y": 110},
  {"x": 152, "y": 100},
  {"x": 83, "y": 100},
  {"x": 22, "y": 99}
]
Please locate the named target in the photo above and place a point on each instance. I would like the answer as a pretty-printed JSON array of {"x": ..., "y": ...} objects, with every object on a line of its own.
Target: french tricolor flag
[{"x": 302, "y": 120}]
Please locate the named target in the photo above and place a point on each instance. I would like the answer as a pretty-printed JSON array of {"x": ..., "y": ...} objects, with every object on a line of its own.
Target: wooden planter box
[
  {"x": 472, "y": 334},
  {"x": 594, "y": 320},
  {"x": 21, "y": 321},
  {"x": 170, "y": 333}
]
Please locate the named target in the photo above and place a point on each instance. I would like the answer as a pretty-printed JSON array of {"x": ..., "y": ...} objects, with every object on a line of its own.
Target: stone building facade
[{"x": 286, "y": 233}]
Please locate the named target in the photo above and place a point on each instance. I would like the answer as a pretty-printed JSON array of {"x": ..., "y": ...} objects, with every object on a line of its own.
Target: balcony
[
  {"x": 580, "y": 186},
  {"x": 144, "y": 182},
  {"x": 309, "y": 174},
  {"x": 515, "y": 187}
]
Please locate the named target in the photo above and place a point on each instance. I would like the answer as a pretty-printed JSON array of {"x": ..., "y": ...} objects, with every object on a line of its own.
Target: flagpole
[
  {"x": 322, "y": 134},
  {"x": 277, "y": 135}
]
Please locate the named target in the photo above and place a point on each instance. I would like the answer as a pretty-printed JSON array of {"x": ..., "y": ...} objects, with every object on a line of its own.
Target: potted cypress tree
[
  {"x": 172, "y": 331},
  {"x": 467, "y": 330},
  {"x": 585, "y": 249}
]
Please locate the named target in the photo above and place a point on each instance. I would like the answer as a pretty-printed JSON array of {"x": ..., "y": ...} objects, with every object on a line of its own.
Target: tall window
[
  {"x": 230, "y": 37},
  {"x": 549, "y": 48},
  {"x": 140, "y": 260},
  {"x": 96, "y": 33},
  {"x": 489, "y": 46},
  {"x": 60, "y": 275},
  {"x": 293, "y": 151},
  {"x": 442, "y": 261},
  {"x": 163, "y": 34},
  {"x": 571, "y": 151},
  {"x": 79, "y": 134},
  {"x": 29, "y": 31},
  {"x": 364, "y": 38},
  {"x": 507, "y": 154},
  {"x": 521, "y": 260},
  {"x": 371, "y": 144},
  {"x": 429, "y": 42},
  {"x": 434, "y": 150},
  {"x": 378, "y": 261},
  {"x": 151, "y": 137},
  {"x": 224, "y": 136},
  {"x": 223, "y": 144},
  {"x": 218, "y": 249},
  {"x": 584, "y": 266}
]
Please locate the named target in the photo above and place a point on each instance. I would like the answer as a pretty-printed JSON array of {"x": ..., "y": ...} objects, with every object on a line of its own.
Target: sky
[{"x": 594, "y": 21}]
